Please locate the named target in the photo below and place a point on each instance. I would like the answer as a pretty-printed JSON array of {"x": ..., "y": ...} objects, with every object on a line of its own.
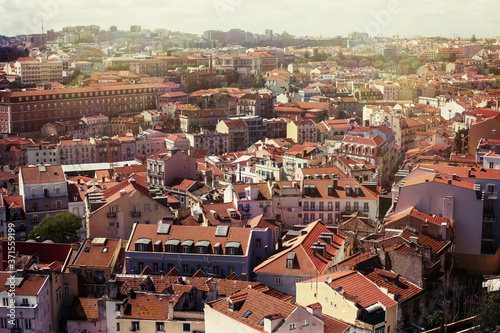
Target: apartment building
[{"x": 39, "y": 71}]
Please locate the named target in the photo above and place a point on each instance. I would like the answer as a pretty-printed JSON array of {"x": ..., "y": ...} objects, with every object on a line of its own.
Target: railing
[
  {"x": 111, "y": 214},
  {"x": 490, "y": 195},
  {"x": 136, "y": 214}
]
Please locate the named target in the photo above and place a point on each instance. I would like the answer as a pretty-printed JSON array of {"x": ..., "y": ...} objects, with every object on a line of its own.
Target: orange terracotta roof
[
  {"x": 394, "y": 284},
  {"x": 305, "y": 255},
  {"x": 366, "y": 292}
]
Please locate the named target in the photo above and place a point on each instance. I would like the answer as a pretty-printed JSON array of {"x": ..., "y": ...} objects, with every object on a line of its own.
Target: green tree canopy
[
  {"x": 488, "y": 318},
  {"x": 473, "y": 38},
  {"x": 60, "y": 228}
]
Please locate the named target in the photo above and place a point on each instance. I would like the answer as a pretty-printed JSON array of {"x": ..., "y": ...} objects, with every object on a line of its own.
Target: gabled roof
[
  {"x": 356, "y": 286},
  {"x": 30, "y": 286},
  {"x": 394, "y": 284},
  {"x": 94, "y": 254},
  {"x": 440, "y": 179},
  {"x": 260, "y": 305},
  {"x": 412, "y": 211},
  {"x": 43, "y": 175},
  {"x": 146, "y": 306},
  {"x": 305, "y": 255}
]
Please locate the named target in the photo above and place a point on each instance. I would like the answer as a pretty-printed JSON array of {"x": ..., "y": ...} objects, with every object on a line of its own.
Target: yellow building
[
  {"x": 39, "y": 71},
  {"x": 351, "y": 297}
]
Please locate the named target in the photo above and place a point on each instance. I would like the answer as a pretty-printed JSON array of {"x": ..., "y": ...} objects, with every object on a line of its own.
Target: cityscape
[{"x": 249, "y": 169}]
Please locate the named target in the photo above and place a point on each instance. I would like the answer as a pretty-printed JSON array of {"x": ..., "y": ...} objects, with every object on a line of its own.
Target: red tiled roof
[
  {"x": 260, "y": 305},
  {"x": 441, "y": 179},
  {"x": 307, "y": 259},
  {"x": 436, "y": 245},
  {"x": 148, "y": 307},
  {"x": 334, "y": 325},
  {"x": 355, "y": 284},
  {"x": 394, "y": 283},
  {"x": 95, "y": 257},
  {"x": 31, "y": 285},
  {"x": 36, "y": 175}
]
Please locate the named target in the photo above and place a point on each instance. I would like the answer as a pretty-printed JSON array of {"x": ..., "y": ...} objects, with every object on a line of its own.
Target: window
[
  {"x": 292, "y": 326},
  {"x": 380, "y": 330},
  {"x": 298, "y": 280},
  {"x": 186, "y": 327},
  {"x": 366, "y": 207},
  {"x": 347, "y": 206},
  {"x": 337, "y": 205},
  {"x": 258, "y": 243},
  {"x": 66, "y": 290},
  {"x": 330, "y": 205},
  {"x": 27, "y": 324},
  {"x": 305, "y": 322},
  {"x": 3, "y": 322},
  {"x": 146, "y": 208},
  {"x": 155, "y": 267},
  {"x": 135, "y": 326},
  {"x": 356, "y": 205},
  {"x": 25, "y": 301},
  {"x": 277, "y": 280},
  {"x": 492, "y": 165},
  {"x": 160, "y": 326},
  {"x": 185, "y": 268}
]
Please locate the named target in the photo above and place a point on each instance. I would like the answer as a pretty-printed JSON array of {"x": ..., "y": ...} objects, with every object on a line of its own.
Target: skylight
[{"x": 247, "y": 314}]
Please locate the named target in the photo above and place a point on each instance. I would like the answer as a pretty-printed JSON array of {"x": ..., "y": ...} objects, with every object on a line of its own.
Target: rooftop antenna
[{"x": 42, "y": 26}]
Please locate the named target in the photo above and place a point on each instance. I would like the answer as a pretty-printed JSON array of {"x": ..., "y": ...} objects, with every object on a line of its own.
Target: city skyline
[{"x": 386, "y": 18}]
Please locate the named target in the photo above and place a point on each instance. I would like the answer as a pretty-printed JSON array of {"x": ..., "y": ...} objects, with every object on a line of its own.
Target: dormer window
[
  {"x": 172, "y": 245},
  {"x": 233, "y": 248},
  {"x": 290, "y": 260},
  {"x": 202, "y": 246},
  {"x": 187, "y": 245}
]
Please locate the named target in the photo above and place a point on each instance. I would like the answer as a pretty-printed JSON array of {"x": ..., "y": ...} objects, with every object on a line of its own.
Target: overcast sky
[{"x": 298, "y": 17}]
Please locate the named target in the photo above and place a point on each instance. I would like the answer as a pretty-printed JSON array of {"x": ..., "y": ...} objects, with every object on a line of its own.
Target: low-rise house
[
  {"x": 94, "y": 263},
  {"x": 305, "y": 253},
  {"x": 113, "y": 212},
  {"x": 252, "y": 311},
  {"x": 219, "y": 251},
  {"x": 178, "y": 164},
  {"x": 31, "y": 301}
]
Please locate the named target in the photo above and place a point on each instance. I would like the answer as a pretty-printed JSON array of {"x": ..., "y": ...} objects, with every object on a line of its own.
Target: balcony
[
  {"x": 111, "y": 215},
  {"x": 136, "y": 214},
  {"x": 488, "y": 234}
]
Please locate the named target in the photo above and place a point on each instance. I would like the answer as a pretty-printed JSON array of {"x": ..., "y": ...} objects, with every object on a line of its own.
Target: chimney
[
  {"x": 131, "y": 293},
  {"x": 315, "y": 309},
  {"x": 335, "y": 182},
  {"x": 170, "y": 315},
  {"x": 280, "y": 244},
  {"x": 444, "y": 225},
  {"x": 122, "y": 193},
  {"x": 449, "y": 181},
  {"x": 414, "y": 239},
  {"x": 271, "y": 322},
  {"x": 455, "y": 177}
]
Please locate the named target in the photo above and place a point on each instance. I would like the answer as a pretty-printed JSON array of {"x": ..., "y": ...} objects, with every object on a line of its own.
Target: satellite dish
[
  {"x": 340, "y": 290},
  {"x": 329, "y": 279}
]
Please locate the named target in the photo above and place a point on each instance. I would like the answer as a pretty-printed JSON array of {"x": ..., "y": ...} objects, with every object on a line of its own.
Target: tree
[
  {"x": 436, "y": 319},
  {"x": 488, "y": 317},
  {"x": 74, "y": 79},
  {"x": 258, "y": 82},
  {"x": 60, "y": 228},
  {"x": 439, "y": 57},
  {"x": 473, "y": 38},
  {"x": 461, "y": 137},
  {"x": 364, "y": 63}
]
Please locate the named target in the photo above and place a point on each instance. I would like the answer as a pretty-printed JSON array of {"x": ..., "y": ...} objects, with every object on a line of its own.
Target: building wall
[
  {"x": 216, "y": 322},
  {"x": 120, "y": 225},
  {"x": 428, "y": 197}
]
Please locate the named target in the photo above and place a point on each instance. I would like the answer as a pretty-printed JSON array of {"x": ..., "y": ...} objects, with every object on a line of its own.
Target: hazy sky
[{"x": 298, "y": 17}]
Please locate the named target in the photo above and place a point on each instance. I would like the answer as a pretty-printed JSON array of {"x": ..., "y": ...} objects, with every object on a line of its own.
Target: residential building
[
  {"x": 261, "y": 105},
  {"x": 195, "y": 120},
  {"x": 39, "y": 71},
  {"x": 305, "y": 253},
  {"x": 342, "y": 294},
  {"x": 483, "y": 129},
  {"x": 302, "y": 131},
  {"x": 213, "y": 142},
  {"x": 44, "y": 193},
  {"x": 23, "y": 109},
  {"x": 94, "y": 263},
  {"x": 31, "y": 302},
  {"x": 252, "y": 311},
  {"x": 220, "y": 250},
  {"x": 44, "y": 153},
  {"x": 113, "y": 212},
  {"x": 178, "y": 164},
  {"x": 389, "y": 90},
  {"x": 297, "y": 157},
  {"x": 77, "y": 151},
  {"x": 238, "y": 133}
]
